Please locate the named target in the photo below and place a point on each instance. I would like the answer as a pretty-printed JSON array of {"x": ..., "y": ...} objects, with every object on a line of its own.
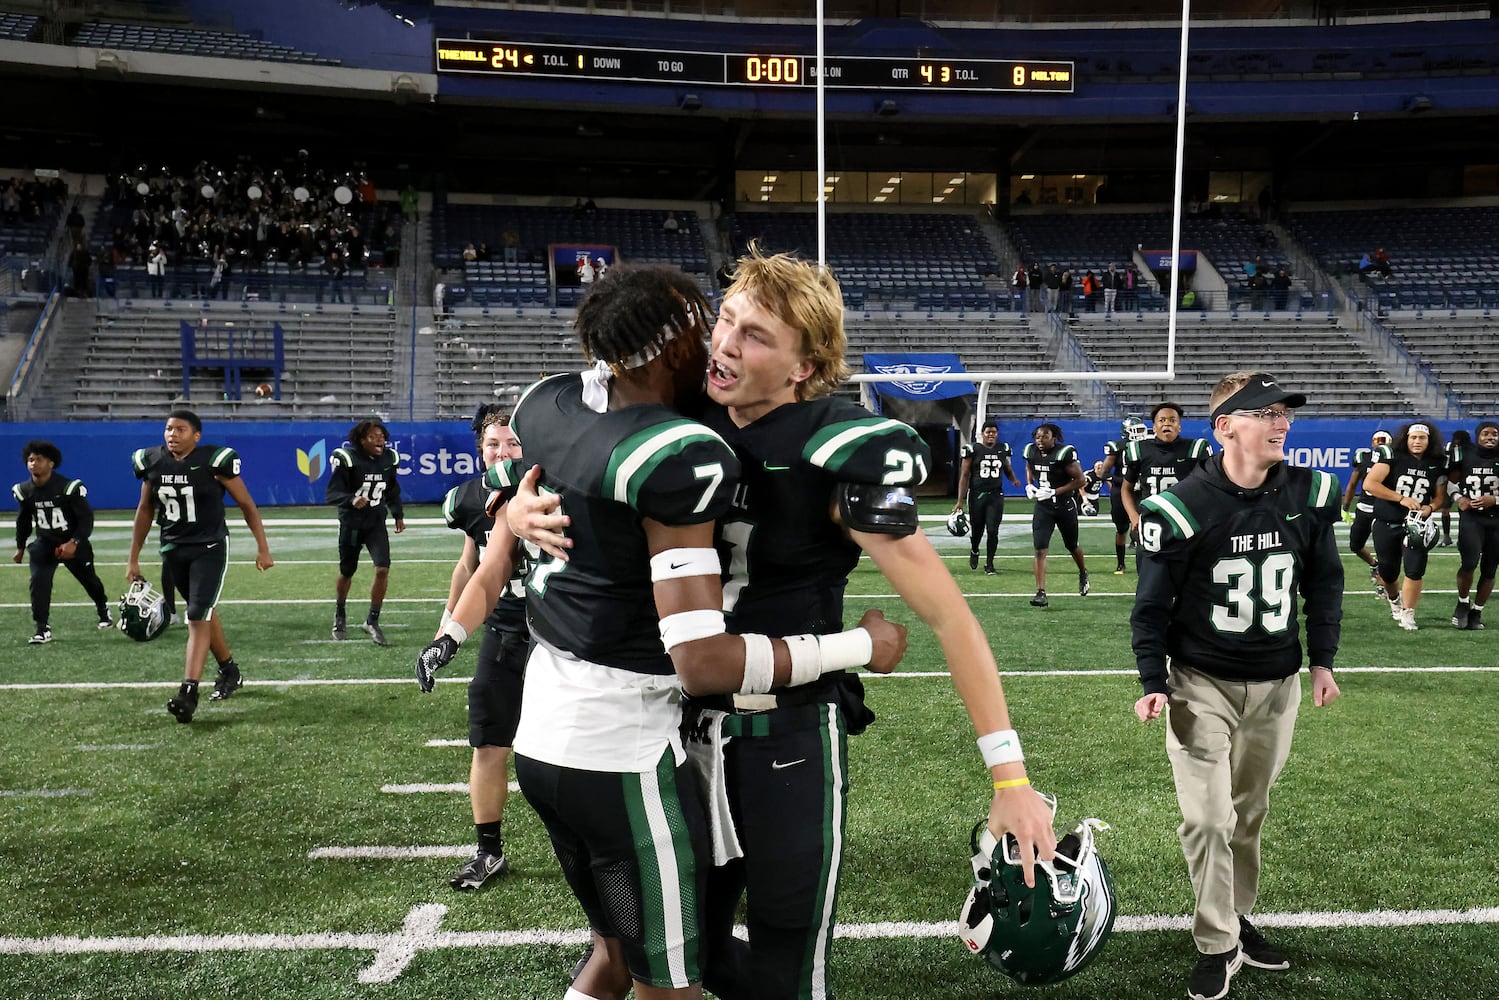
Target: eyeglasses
[{"x": 1268, "y": 414}]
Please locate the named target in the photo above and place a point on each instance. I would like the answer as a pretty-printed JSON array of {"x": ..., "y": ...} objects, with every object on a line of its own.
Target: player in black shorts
[
  {"x": 981, "y": 484},
  {"x": 1054, "y": 479},
  {"x": 362, "y": 482},
  {"x": 1408, "y": 481},
  {"x": 1478, "y": 524},
  {"x": 494, "y": 694},
  {"x": 1130, "y": 429},
  {"x": 1358, "y": 507},
  {"x": 184, "y": 482},
  {"x": 57, "y": 509}
]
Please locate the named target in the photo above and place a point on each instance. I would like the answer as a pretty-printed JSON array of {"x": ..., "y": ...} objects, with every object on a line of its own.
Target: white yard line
[
  {"x": 42, "y": 793},
  {"x": 455, "y": 787}
]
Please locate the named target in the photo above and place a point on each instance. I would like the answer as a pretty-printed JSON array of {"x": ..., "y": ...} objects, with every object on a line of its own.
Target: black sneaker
[
  {"x": 1461, "y": 614},
  {"x": 104, "y": 622},
  {"x": 43, "y": 635},
  {"x": 1475, "y": 621},
  {"x": 1210, "y": 979},
  {"x": 1082, "y": 583},
  {"x": 376, "y": 633},
  {"x": 1039, "y": 601},
  {"x": 228, "y": 681},
  {"x": 340, "y": 629},
  {"x": 478, "y": 870},
  {"x": 1257, "y": 951},
  {"x": 185, "y": 704},
  {"x": 973, "y": 559},
  {"x": 989, "y": 569}
]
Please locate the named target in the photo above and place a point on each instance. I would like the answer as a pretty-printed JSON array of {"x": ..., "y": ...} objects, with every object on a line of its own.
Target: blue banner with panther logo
[{"x": 912, "y": 368}]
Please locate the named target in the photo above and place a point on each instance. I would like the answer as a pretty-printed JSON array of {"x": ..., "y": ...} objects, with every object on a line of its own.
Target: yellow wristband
[{"x": 1012, "y": 783}]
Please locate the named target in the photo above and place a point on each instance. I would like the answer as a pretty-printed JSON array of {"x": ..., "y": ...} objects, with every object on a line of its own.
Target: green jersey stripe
[
  {"x": 634, "y": 461},
  {"x": 138, "y": 459},
  {"x": 1169, "y": 506},
  {"x": 837, "y": 441},
  {"x": 1324, "y": 488}
]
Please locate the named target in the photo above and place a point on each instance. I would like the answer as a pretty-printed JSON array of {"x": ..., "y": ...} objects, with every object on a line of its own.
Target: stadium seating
[
  {"x": 16, "y": 27},
  {"x": 492, "y": 360},
  {"x": 190, "y": 42},
  {"x": 1458, "y": 352},
  {"x": 337, "y": 365}
]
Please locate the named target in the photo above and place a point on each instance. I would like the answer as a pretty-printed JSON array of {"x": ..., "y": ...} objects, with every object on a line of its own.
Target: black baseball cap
[{"x": 1260, "y": 391}]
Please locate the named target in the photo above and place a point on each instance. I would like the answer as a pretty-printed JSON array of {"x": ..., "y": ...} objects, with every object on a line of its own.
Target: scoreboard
[{"x": 737, "y": 69}]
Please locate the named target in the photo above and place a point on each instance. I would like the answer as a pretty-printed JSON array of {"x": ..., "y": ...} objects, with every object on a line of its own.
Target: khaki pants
[{"x": 1227, "y": 741}]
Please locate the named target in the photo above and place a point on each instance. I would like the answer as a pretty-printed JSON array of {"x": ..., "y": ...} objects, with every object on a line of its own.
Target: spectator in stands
[
  {"x": 482, "y": 254},
  {"x": 1257, "y": 285},
  {"x": 510, "y": 239},
  {"x": 1112, "y": 282},
  {"x": 1382, "y": 262},
  {"x": 156, "y": 270},
  {"x": 1282, "y": 285},
  {"x": 586, "y": 272},
  {"x": 1053, "y": 288},
  {"x": 1254, "y": 267},
  {"x": 669, "y": 224},
  {"x": 367, "y": 193},
  {"x": 410, "y": 200},
  {"x": 337, "y": 271},
  {"x": 470, "y": 253},
  {"x": 600, "y": 267},
  {"x": 106, "y": 265},
  {"x": 1064, "y": 292},
  {"x": 82, "y": 262},
  {"x": 1036, "y": 281},
  {"x": 10, "y": 202},
  {"x": 1091, "y": 288},
  {"x": 1365, "y": 263},
  {"x": 440, "y": 300},
  {"x": 76, "y": 222},
  {"x": 219, "y": 282},
  {"x": 1019, "y": 280}
]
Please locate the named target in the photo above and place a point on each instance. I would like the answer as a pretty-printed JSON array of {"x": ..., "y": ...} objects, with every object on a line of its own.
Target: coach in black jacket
[{"x": 1225, "y": 555}]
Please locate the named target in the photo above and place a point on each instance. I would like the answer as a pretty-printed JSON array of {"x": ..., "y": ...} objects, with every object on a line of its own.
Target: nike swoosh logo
[
  {"x": 195, "y": 468},
  {"x": 1292, "y": 517},
  {"x": 678, "y": 565},
  {"x": 776, "y": 765},
  {"x": 211, "y": 545},
  {"x": 775, "y": 468},
  {"x": 1267, "y": 385}
]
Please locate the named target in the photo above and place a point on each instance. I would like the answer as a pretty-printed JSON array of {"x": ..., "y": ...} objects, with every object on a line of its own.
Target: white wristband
[
  {"x": 689, "y": 626},
  {"x": 759, "y": 664},
  {"x": 674, "y": 564},
  {"x": 815, "y": 655},
  {"x": 455, "y": 632},
  {"x": 806, "y": 659},
  {"x": 1002, "y": 747}
]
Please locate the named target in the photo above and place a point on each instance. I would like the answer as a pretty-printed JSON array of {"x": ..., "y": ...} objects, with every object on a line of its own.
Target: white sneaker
[
  {"x": 1407, "y": 619},
  {"x": 1395, "y": 609}
]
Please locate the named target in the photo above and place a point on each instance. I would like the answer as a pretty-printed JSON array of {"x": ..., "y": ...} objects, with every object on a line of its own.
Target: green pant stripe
[
  {"x": 663, "y": 856},
  {"x": 814, "y": 978}
]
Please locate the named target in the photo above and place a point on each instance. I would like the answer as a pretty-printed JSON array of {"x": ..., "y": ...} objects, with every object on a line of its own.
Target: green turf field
[{"x": 141, "y": 858}]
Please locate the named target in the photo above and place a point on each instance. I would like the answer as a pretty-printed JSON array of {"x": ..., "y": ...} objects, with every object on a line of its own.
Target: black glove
[{"x": 438, "y": 654}]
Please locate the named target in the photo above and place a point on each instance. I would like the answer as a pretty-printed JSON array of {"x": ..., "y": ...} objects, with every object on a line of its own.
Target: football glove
[
  {"x": 1030, "y": 491},
  {"x": 438, "y": 654},
  {"x": 1347, "y": 517},
  {"x": 1089, "y": 509},
  {"x": 1045, "y": 492}
]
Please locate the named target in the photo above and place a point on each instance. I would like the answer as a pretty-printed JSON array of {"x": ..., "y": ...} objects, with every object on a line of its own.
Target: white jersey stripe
[
  {"x": 830, "y": 447},
  {"x": 650, "y": 448},
  {"x": 672, "y": 918}
]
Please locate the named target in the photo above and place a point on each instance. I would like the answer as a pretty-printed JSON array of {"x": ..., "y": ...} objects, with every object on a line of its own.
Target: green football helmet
[
  {"x": 1046, "y": 934},
  {"x": 142, "y": 614}
]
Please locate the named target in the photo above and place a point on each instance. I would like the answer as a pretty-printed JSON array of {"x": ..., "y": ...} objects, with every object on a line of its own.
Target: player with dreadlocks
[{"x": 632, "y": 620}]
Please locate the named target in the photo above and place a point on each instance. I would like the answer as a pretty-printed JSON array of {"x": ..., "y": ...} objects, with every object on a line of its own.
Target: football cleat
[
  {"x": 43, "y": 635},
  {"x": 228, "y": 681},
  {"x": 1082, "y": 583},
  {"x": 1039, "y": 601},
  {"x": 1407, "y": 620},
  {"x": 438, "y": 654},
  {"x": 1134, "y": 429},
  {"x": 340, "y": 629},
  {"x": 973, "y": 559},
  {"x": 185, "y": 704},
  {"x": 989, "y": 570},
  {"x": 1461, "y": 614},
  {"x": 142, "y": 612},
  {"x": 1475, "y": 620},
  {"x": 479, "y": 869},
  {"x": 957, "y": 524},
  {"x": 1045, "y": 934},
  {"x": 1421, "y": 532},
  {"x": 105, "y": 623},
  {"x": 376, "y": 633}
]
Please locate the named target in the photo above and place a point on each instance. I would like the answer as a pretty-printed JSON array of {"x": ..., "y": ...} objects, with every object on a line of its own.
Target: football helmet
[
  {"x": 957, "y": 524},
  {"x": 1421, "y": 532},
  {"x": 1134, "y": 429},
  {"x": 1046, "y": 934},
  {"x": 142, "y": 614}
]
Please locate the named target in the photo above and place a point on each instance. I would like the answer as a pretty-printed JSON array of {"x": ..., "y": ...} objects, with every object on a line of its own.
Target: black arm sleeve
[
  {"x": 83, "y": 519},
  {"x": 1322, "y": 589},
  {"x": 393, "y": 495},
  {"x": 1155, "y": 599},
  {"x": 23, "y": 525},
  {"x": 340, "y": 491}
]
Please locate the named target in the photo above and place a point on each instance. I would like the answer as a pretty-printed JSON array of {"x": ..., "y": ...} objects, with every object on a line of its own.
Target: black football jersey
[
  {"x": 352, "y": 474},
  {"x": 188, "y": 495},
  {"x": 466, "y": 509},
  {"x": 1363, "y": 461},
  {"x": 1092, "y": 486},
  {"x": 1223, "y": 570},
  {"x": 1409, "y": 476},
  {"x": 612, "y": 469},
  {"x": 58, "y": 511},
  {"x": 1152, "y": 465},
  {"x": 1480, "y": 468},
  {"x": 786, "y": 561},
  {"x": 1051, "y": 469},
  {"x": 1116, "y": 474},
  {"x": 987, "y": 473}
]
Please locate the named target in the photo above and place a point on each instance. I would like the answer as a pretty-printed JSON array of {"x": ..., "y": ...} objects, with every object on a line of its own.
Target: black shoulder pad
[{"x": 879, "y": 510}]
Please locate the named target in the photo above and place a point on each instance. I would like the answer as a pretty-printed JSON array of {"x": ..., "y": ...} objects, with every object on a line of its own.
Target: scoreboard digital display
[{"x": 730, "y": 69}]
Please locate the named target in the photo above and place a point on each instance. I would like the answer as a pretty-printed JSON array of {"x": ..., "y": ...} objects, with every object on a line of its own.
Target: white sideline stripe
[
  {"x": 116, "y": 746},
  {"x": 898, "y": 675},
  {"x": 419, "y": 933},
  {"x": 42, "y": 793},
  {"x": 421, "y": 788},
  {"x": 446, "y": 743},
  {"x": 389, "y": 853}
]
